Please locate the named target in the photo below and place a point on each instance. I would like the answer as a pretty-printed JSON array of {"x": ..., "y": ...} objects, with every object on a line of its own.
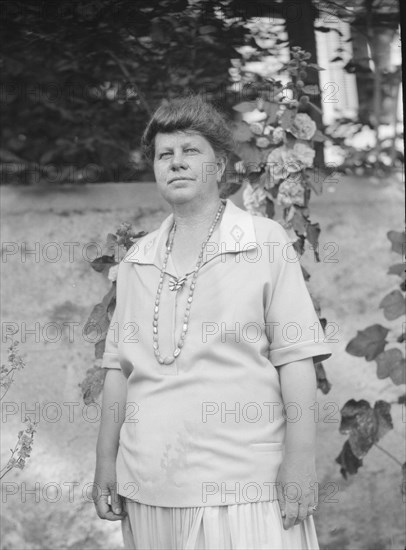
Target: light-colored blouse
[{"x": 209, "y": 429}]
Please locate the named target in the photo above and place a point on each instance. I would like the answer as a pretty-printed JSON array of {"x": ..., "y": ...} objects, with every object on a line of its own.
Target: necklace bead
[{"x": 168, "y": 360}]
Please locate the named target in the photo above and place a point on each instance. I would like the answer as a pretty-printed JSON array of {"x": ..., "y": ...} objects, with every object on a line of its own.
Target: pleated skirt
[{"x": 254, "y": 525}]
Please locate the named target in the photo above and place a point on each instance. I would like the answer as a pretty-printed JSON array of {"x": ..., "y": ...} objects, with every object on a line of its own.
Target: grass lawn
[{"x": 42, "y": 507}]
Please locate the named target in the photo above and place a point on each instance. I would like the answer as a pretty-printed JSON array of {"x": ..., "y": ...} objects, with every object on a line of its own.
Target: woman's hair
[{"x": 193, "y": 114}]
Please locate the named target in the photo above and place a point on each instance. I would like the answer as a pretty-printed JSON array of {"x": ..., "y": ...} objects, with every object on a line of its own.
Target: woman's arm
[
  {"x": 298, "y": 386},
  {"x": 112, "y": 418},
  {"x": 297, "y": 479}
]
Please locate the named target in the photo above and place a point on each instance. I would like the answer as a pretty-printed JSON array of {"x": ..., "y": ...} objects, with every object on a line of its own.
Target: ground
[{"x": 46, "y": 505}]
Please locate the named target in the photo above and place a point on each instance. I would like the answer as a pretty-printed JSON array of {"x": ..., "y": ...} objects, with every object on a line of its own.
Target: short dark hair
[{"x": 189, "y": 113}]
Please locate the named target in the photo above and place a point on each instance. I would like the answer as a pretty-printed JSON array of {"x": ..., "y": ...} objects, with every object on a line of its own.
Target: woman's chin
[{"x": 179, "y": 195}]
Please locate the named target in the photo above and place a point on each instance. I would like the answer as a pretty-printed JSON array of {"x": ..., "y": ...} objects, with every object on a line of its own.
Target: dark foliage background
[{"x": 80, "y": 79}]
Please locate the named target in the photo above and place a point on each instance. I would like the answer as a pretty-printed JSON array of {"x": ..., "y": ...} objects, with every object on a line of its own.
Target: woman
[{"x": 207, "y": 436}]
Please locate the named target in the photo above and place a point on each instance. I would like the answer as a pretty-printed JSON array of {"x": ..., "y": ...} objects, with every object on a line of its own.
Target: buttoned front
[{"x": 209, "y": 428}]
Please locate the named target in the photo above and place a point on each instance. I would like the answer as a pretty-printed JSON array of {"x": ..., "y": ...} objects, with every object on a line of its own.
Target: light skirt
[{"x": 254, "y": 525}]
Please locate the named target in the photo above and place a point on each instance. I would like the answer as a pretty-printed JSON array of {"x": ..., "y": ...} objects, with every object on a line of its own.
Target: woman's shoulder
[
  {"x": 267, "y": 229},
  {"x": 142, "y": 243}
]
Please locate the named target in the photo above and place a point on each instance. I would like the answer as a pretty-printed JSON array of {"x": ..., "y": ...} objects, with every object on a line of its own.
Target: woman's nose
[{"x": 178, "y": 160}]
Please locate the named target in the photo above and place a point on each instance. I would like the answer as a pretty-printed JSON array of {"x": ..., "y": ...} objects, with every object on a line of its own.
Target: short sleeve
[
  {"x": 110, "y": 358},
  {"x": 293, "y": 327}
]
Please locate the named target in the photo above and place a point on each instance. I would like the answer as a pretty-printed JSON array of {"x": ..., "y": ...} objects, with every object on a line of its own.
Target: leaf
[
  {"x": 270, "y": 208},
  {"x": 264, "y": 154},
  {"x": 383, "y": 361},
  {"x": 397, "y": 269},
  {"x": 314, "y": 108},
  {"x": 319, "y": 137},
  {"x": 306, "y": 275},
  {"x": 398, "y": 241},
  {"x": 313, "y": 232},
  {"x": 110, "y": 245},
  {"x": 391, "y": 363},
  {"x": 274, "y": 191},
  {"x": 100, "y": 317},
  {"x": 287, "y": 119},
  {"x": 254, "y": 176},
  {"x": 99, "y": 348},
  {"x": 364, "y": 435},
  {"x": 245, "y": 106},
  {"x": 393, "y": 305},
  {"x": 323, "y": 29},
  {"x": 229, "y": 188},
  {"x": 263, "y": 181},
  {"x": 328, "y": 29},
  {"x": 253, "y": 170},
  {"x": 315, "y": 67},
  {"x": 242, "y": 132},
  {"x": 311, "y": 89},
  {"x": 382, "y": 412},
  {"x": 271, "y": 110},
  {"x": 250, "y": 155},
  {"x": 299, "y": 222},
  {"x": 313, "y": 179},
  {"x": 322, "y": 383},
  {"x": 349, "y": 413},
  {"x": 47, "y": 157},
  {"x": 208, "y": 39},
  {"x": 103, "y": 263},
  {"x": 98, "y": 322},
  {"x": 366, "y": 426},
  {"x": 111, "y": 307},
  {"x": 369, "y": 342},
  {"x": 398, "y": 372},
  {"x": 207, "y": 29},
  {"x": 348, "y": 461},
  {"x": 92, "y": 385}
]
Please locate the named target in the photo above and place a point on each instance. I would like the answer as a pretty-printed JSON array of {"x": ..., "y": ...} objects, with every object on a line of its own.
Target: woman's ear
[{"x": 221, "y": 164}]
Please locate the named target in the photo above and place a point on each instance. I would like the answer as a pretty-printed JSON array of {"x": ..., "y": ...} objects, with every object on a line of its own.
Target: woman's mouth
[{"x": 179, "y": 179}]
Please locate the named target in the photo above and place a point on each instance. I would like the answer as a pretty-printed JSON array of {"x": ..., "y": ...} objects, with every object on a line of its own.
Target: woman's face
[{"x": 186, "y": 167}]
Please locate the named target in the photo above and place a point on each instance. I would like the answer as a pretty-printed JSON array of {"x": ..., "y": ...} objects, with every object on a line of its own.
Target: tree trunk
[
  {"x": 363, "y": 73},
  {"x": 300, "y": 16}
]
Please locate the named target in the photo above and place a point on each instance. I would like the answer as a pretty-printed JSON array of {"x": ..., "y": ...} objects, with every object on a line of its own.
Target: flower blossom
[
  {"x": 257, "y": 128},
  {"x": 262, "y": 142},
  {"x": 303, "y": 127},
  {"x": 290, "y": 192},
  {"x": 113, "y": 272},
  {"x": 304, "y": 154},
  {"x": 254, "y": 200},
  {"x": 254, "y": 116},
  {"x": 278, "y": 135},
  {"x": 283, "y": 161}
]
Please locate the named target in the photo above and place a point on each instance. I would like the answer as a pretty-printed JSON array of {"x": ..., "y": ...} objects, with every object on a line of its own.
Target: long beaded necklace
[{"x": 170, "y": 359}]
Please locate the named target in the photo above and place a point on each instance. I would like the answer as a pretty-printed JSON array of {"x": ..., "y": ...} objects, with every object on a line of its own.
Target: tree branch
[
  {"x": 388, "y": 453},
  {"x": 127, "y": 75}
]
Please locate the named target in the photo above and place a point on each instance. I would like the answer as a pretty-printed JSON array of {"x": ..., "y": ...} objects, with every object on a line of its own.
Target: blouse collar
[{"x": 236, "y": 233}]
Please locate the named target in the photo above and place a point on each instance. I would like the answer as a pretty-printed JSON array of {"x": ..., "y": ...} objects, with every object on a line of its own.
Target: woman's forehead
[{"x": 178, "y": 138}]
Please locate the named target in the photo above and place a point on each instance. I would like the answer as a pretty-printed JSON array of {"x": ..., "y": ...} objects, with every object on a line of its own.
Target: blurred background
[{"x": 79, "y": 83}]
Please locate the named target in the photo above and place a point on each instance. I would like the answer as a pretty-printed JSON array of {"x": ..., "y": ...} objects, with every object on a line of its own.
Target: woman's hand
[
  {"x": 297, "y": 487},
  {"x": 105, "y": 488}
]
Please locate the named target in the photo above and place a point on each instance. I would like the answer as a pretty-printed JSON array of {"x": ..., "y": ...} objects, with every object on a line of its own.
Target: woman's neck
[{"x": 194, "y": 221}]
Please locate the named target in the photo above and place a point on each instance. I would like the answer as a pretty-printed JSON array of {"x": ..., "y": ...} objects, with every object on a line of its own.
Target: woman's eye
[{"x": 168, "y": 154}]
